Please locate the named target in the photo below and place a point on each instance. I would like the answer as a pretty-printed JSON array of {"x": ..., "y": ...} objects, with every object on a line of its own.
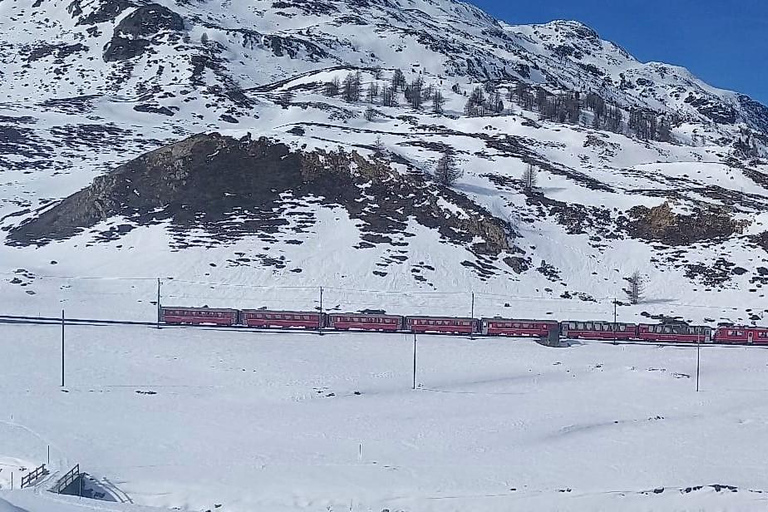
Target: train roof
[
  {"x": 377, "y": 315},
  {"x": 595, "y": 322},
  {"x": 186, "y": 308},
  {"x": 733, "y": 326},
  {"x": 682, "y": 324},
  {"x": 277, "y": 311},
  {"x": 427, "y": 317},
  {"x": 500, "y": 319}
]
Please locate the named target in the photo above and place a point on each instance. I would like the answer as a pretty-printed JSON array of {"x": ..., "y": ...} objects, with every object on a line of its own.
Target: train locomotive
[{"x": 675, "y": 332}]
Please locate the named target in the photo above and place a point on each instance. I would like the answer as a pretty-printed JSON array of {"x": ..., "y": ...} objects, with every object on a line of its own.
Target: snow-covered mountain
[{"x": 273, "y": 183}]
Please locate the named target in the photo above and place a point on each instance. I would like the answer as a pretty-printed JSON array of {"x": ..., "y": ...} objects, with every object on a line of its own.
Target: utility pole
[
  {"x": 159, "y": 309},
  {"x": 414, "y": 360},
  {"x": 320, "y": 320},
  {"x": 615, "y": 316},
  {"x": 62, "y": 348},
  {"x": 472, "y": 315},
  {"x": 698, "y": 357}
]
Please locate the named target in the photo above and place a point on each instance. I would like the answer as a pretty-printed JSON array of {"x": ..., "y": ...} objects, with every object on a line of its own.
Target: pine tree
[
  {"x": 332, "y": 88},
  {"x": 379, "y": 149},
  {"x": 398, "y": 80},
  {"x": 530, "y": 177},
  {"x": 476, "y": 104},
  {"x": 373, "y": 93},
  {"x": 413, "y": 93},
  {"x": 438, "y": 101},
  {"x": 447, "y": 171},
  {"x": 388, "y": 96},
  {"x": 636, "y": 290},
  {"x": 352, "y": 87}
]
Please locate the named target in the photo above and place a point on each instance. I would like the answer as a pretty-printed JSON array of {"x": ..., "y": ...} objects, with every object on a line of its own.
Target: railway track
[{"x": 41, "y": 320}]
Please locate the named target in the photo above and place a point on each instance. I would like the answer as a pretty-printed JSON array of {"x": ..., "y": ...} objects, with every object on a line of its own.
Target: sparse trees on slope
[
  {"x": 475, "y": 106},
  {"x": 530, "y": 177},
  {"x": 413, "y": 93},
  {"x": 398, "y": 80},
  {"x": 438, "y": 101},
  {"x": 352, "y": 87},
  {"x": 495, "y": 104},
  {"x": 373, "y": 93},
  {"x": 447, "y": 170},
  {"x": 388, "y": 96},
  {"x": 332, "y": 88}
]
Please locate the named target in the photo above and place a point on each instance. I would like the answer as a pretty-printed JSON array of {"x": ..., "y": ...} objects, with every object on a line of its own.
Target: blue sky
[{"x": 723, "y": 42}]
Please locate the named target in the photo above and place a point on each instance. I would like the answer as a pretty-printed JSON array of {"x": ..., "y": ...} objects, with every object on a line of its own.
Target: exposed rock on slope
[
  {"x": 233, "y": 188},
  {"x": 662, "y": 224}
]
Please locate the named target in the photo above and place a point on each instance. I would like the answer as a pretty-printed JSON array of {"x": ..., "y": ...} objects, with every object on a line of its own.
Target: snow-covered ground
[{"x": 195, "y": 418}]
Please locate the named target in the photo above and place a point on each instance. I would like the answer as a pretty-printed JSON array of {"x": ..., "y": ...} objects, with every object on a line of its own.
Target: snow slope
[{"x": 193, "y": 418}]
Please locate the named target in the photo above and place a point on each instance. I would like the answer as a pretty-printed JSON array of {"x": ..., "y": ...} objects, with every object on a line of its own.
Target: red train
[{"x": 372, "y": 322}]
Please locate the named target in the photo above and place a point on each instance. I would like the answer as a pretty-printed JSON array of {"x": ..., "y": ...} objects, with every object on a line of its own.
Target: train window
[
  {"x": 622, "y": 328},
  {"x": 762, "y": 334}
]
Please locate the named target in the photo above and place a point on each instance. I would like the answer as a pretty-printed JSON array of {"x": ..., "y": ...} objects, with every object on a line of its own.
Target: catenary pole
[
  {"x": 472, "y": 315},
  {"x": 159, "y": 309},
  {"x": 698, "y": 358},
  {"x": 615, "y": 317},
  {"x": 414, "y": 360},
  {"x": 62, "y": 348},
  {"x": 320, "y": 321}
]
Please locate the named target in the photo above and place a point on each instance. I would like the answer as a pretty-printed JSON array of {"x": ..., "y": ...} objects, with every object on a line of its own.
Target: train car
[
  {"x": 282, "y": 319},
  {"x": 517, "y": 328},
  {"x": 739, "y": 335},
  {"x": 198, "y": 316},
  {"x": 598, "y": 330},
  {"x": 445, "y": 325},
  {"x": 674, "y": 333},
  {"x": 364, "y": 322}
]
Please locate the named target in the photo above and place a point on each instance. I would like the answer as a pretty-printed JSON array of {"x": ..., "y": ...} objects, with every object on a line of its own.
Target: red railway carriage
[
  {"x": 434, "y": 324},
  {"x": 742, "y": 335},
  {"x": 198, "y": 316},
  {"x": 598, "y": 331},
  {"x": 364, "y": 322},
  {"x": 523, "y": 328},
  {"x": 674, "y": 333},
  {"x": 282, "y": 319}
]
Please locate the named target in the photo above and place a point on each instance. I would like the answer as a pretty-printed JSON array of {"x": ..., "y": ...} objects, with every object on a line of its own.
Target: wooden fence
[
  {"x": 33, "y": 476},
  {"x": 67, "y": 480}
]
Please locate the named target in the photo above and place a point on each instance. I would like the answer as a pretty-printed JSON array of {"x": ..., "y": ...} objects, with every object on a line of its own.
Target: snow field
[{"x": 190, "y": 418}]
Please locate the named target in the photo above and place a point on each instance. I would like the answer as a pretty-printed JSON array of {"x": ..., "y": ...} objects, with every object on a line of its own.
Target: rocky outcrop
[
  {"x": 134, "y": 34},
  {"x": 661, "y": 224},
  {"x": 207, "y": 180}
]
